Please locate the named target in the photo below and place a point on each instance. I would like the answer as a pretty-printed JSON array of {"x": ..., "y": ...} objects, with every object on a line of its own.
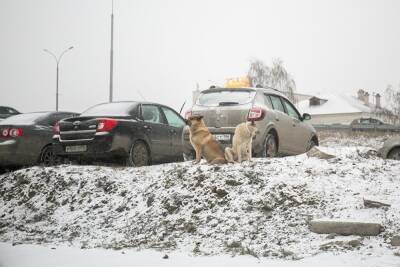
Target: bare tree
[
  {"x": 276, "y": 77},
  {"x": 392, "y": 97}
]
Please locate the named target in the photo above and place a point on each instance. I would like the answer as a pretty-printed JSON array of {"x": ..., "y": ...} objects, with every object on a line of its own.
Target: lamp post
[
  {"x": 57, "y": 59},
  {"x": 112, "y": 53}
]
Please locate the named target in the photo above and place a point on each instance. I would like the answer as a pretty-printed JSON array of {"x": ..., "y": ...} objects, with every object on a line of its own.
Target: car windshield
[
  {"x": 110, "y": 109},
  {"x": 7, "y": 110},
  {"x": 225, "y": 97},
  {"x": 27, "y": 118}
]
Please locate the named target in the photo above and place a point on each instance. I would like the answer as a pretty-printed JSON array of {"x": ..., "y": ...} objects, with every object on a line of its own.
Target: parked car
[
  {"x": 6, "y": 112},
  {"x": 367, "y": 121},
  {"x": 26, "y": 139},
  {"x": 391, "y": 149},
  {"x": 136, "y": 133},
  {"x": 282, "y": 130}
]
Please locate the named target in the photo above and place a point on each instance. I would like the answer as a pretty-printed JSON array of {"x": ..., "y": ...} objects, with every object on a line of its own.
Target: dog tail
[{"x": 229, "y": 155}]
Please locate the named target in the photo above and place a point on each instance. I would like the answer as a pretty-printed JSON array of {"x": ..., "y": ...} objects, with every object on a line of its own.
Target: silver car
[{"x": 282, "y": 130}]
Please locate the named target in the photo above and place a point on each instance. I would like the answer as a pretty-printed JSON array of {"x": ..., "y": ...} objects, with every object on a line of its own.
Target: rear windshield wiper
[{"x": 227, "y": 103}]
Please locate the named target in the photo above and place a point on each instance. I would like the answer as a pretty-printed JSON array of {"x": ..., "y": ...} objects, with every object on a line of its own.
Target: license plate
[
  {"x": 70, "y": 149},
  {"x": 222, "y": 137}
]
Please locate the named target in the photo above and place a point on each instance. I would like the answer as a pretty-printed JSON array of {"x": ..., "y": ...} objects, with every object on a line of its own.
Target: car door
[
  {"x": 157, "y": 130},
  {"x": 300, "y": 134},
  {"x": 283, "y": 124},
  {"x": 175, "y": 124}
]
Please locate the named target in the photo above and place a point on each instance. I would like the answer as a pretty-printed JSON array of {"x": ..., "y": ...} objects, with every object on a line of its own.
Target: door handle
[
  {"x": 276, "y": 118},
  {"x": 147, "y": 127}
]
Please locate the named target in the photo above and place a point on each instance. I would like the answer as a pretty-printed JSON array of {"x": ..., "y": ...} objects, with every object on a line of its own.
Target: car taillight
[
  {"x": 12, "y": 132},
  {"x": 256, "y": 114},
  {"x": 188, "y": 114},
  {"x": 56, "y": 128},
  {"x": 5, "y": 132},
  {"x": 15, "y": 132},
  {"x": 106, "y": 125}
]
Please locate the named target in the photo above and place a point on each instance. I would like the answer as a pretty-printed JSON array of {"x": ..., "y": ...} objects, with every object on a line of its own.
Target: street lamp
[{"x": 58, "y": 62}]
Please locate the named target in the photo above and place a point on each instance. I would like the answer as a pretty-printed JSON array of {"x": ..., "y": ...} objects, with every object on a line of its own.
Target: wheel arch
[
  {"x": 391, "y": 150},
  {"x": 314, "y": 138},
  {"x": 272, "y": 130}
]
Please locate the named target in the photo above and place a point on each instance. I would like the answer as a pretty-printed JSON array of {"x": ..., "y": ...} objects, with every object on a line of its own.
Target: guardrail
[{"x": 360, "y": 127}]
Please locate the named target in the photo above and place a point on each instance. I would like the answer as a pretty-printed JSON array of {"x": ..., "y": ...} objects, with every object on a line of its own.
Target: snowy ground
[{"x": 201, "y": 214}]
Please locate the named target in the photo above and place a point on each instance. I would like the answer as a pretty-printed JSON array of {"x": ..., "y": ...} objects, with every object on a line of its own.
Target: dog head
[{"x": 195, "y": 121}]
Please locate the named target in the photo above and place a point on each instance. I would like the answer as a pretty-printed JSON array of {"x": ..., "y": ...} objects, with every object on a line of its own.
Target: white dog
[{"x": 241, "y": 143}]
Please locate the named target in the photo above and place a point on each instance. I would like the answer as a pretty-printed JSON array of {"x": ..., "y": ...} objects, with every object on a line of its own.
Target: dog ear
[{"x": 199, "y": 117}]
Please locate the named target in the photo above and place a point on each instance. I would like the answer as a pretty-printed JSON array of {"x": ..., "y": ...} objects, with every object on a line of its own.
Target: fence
[{"x": 358, "y": 127}]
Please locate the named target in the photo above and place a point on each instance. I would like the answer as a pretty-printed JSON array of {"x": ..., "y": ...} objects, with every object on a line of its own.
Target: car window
[
  {"x": 267, "y": 101},
  {"x": 110, "y": 109},
  {"x": 214, "y": 98},
  {"x": 7, "y": 110},
  {"x": 291, "y": 111},
  {"x": 172, "y": 118},
  {"x": 151, "y": 113},
  {"x": 54, "y": 118},
  {"x": 277, "y": 103}
]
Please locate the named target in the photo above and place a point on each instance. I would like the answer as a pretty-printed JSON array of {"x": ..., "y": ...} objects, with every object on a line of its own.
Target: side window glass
[
  {"x": 172, "y": 118},
  {"x": 151, "y": 114},
  {"x": 267, "y": 101},
  {"x": 277, "y": 103},
  {"x": 292, "y": 112}
]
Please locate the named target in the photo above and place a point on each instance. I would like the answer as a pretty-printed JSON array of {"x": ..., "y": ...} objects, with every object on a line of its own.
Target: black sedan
[
  {"x": 136, "y": 133},
  {"x": 6, "y": 112},
  {"x": 26, "y": 139}
]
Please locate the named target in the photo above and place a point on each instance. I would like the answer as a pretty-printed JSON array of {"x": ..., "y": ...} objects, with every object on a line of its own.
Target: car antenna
[
  {"x": 141, "y": 95},
  {"x": 180, "y": 111}
]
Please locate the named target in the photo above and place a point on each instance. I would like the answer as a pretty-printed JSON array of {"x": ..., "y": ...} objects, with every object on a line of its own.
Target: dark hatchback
[
  {"x": 26, "y": 139},
  {"x": 135, "y": 133}
]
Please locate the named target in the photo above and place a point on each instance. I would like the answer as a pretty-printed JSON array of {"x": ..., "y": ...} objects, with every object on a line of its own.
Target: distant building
[{"x": 339, "y": 108}]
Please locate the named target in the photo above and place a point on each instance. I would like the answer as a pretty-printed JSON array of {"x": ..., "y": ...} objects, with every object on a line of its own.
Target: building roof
[{"x": 335, "y": 104}]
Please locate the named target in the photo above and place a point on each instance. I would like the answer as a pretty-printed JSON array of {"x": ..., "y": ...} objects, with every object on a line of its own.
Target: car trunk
[
  {"x": 78, "y": 128},
  {"x": 223, "y": 116}
]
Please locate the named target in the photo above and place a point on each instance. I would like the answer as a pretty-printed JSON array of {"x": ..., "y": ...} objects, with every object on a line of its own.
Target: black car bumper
[{"x": 100, "y": 147}]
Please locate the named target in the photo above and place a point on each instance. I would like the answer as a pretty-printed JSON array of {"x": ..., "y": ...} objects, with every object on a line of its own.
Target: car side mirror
[{"x": 306, "y": 117}]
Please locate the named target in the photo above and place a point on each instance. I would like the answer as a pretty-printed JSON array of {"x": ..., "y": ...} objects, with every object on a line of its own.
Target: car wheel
[
  {"x": 270, "y": 146},
  {"x": 311, "y": 144},
  {"x": 394, "y": 154},
  {"x": 138, "y": 155},
  {"x": 47, "y": 157}
]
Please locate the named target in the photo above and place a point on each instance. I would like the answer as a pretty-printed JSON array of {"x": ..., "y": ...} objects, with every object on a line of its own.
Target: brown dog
[{"x": 204, "y": 142}]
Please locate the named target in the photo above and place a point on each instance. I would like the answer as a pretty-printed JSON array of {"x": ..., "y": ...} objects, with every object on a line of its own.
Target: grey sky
[{"x": 163, "y": 47}]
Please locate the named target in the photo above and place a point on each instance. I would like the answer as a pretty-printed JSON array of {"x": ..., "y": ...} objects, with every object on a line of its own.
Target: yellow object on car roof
[{"x": 239, "y": 82}]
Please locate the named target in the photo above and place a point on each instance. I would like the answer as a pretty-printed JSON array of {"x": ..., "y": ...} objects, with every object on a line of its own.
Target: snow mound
[{"x": 261, "y": 208}]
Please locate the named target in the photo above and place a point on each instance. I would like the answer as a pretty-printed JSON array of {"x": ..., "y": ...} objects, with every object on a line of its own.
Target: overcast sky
[{"x": 164, "y": 47}]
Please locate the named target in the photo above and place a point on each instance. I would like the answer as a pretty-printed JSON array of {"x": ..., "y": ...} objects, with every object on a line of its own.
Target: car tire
[
  {"x": 47, "y": 156},
  {"x": 138, "y": 155},
  {"x": 311, "y": 144},
  {"x": 394, "y": 154},
  {"x": 270, "y": 146}
]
